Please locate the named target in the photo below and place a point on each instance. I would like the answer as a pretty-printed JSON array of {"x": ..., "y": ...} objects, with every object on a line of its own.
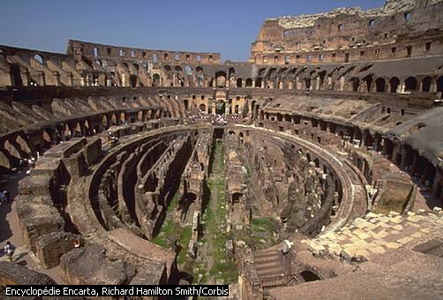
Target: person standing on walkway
[
  {"x": 2, "y": 197},
  {"x": 7, "y": 196},
  {"x": 9, "y": 250}
]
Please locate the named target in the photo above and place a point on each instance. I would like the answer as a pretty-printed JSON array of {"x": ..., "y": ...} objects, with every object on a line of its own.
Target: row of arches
[
  {"x": 403, "y": 155},
  {"x": 20, "y": 145},
  {"x": 395, "y": 85}
]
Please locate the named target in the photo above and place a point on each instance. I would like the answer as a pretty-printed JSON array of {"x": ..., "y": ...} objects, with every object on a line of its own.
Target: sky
[{"x": 225, "y": 26}]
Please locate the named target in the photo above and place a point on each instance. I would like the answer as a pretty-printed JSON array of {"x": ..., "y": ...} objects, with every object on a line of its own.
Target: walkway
[
  {"x": 10, "y": 230},
  {"x": 376, "y": 234}
]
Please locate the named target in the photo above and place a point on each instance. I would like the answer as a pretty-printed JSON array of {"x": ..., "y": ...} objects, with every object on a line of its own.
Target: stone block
[
  {"x": 92, "y": 151},
  {"x": 15, "y": 274},
  {"x": 90, "y": 265},
  {"x": 51, "y": 246}
]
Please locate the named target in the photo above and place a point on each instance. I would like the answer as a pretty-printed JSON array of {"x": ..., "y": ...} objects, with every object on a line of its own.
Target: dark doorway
[{"x": 309, "y": 276}]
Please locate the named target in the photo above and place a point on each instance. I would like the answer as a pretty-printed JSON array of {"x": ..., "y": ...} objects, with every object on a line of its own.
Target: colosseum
[{"x": 314, "y": 170}]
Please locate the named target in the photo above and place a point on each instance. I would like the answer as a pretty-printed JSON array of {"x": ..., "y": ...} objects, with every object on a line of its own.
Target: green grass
[
  {"x": 173, "y": 205},
  {"x": 171, "y": 231},
  {"x": 186, "y": 235},
  {"x": 223, "y": 266},
  {"x": 262, "y": 224},
  {"x": 167, "y": 231}
]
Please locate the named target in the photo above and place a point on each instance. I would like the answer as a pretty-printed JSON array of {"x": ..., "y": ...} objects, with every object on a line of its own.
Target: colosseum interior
[{"x": 314, "y": 170}]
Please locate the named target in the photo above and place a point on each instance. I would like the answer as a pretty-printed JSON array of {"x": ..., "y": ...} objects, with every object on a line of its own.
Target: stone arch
[
  {"x": 13, "y": 151},
  {"x": 368, "y": 82},
  {"x": 114, "y": 119},
  {"x": 394, "y": 83},
  {"x": 258, "y": 82},
  {"x": 39, "y": 58},
  {"x": 105, "y": 121},
  {"x": 66, "y": 131},
  {"x": 426, "y": 84},
  {"x": 380, "y": 85},
  {"x": 46, "y": 136},
  {"x": 186, "y": 104},
  {"x": 220, "y": 78},
  {"x": 440, "y": 85},
  {"x": 23, "y": 143},
  {"x": 188, "y": 70},
  {"x": 248, "y": 82},
  {"x": 355, "y": 83},
  {"x": 156, "y": 79},
  {"x": 236, "y": 109},
  {"x": 133, "y": 80},
  {"x": 411, "y": 84},
  {"x": 202, "y": 107},
  {"x": 4, "y": 161},
  {"x": 307, "y": 82},
  {"x": 154, "y": 57},
  {"x": 239, "y": 82}
]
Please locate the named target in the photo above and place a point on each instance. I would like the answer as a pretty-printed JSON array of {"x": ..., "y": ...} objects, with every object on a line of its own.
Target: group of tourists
[{"x": 8, "y": 250}]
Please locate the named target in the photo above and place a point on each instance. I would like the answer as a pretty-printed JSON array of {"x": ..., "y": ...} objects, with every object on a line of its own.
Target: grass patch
[
  {"x": 215, "y": 216},
  {"x": 174, "y": 203},
  {"x": 262, "y": 224},
  {"x": 186, "y": 235},
  {"x": 166, "y": 234}
]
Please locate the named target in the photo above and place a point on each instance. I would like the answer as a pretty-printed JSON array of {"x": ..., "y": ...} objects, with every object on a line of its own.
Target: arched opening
[
  {"x": 307, "y": 83},
  {"x": 104, "y": 121},
  {"x": 4, "y": 161},
  {"x": 380, "y": 85},
  {"x": 236, "y": 197},
  {"x": 321, "y": 77},
  {"x": 258, "y": 82},
  {"x": 236, "y": 110},
  {"x": 220, "y": 107},
  {"x": 440, "y": 86},
  {"x": 12, "y": 149},
  {"x": 133, "y": 80},
  {"x": 156, "y": 80},
  {"x": 239, "y": 82},
  {"x": 248, "y": 82},
  {"x": 16, "y": 78},
  {"x": 220, "y": 78},
  {"x": 394, "y": 83},
  {"x": 202, "y": 107},
  {"x": 114, "y": 119},
  {"x": 410, "y": 84},
  {"x": 186, "y": 103},
  {"x": 155, "y": 57},
  {"x": 309, "y": 276},
  {"x": 39, "y": 58},
  {"x": 355, "y": 83},
  {"x": 426, "y": 84},
  {"x": 24, "y": 146},
  {"x": 368, "y": 81}
]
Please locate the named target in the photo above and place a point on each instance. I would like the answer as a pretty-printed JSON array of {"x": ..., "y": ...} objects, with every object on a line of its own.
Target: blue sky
[{"x": 225, "y": 26}]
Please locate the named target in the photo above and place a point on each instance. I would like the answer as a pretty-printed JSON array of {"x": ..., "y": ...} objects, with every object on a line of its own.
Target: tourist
[
  {"x": 7, "y": 196},
  {"x": 77, "y": 243},
  {"x": 9, "y": 250},
  {"x": 2, "y": 197}
]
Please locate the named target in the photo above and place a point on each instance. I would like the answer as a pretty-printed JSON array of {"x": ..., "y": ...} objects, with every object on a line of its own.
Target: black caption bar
[{"x": 116, "y": 290}]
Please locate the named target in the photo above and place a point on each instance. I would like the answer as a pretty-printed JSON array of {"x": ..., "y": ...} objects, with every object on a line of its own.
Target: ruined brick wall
[
  {"x": 12, "y": 274},
  {"x": 398, "y": 30}
]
